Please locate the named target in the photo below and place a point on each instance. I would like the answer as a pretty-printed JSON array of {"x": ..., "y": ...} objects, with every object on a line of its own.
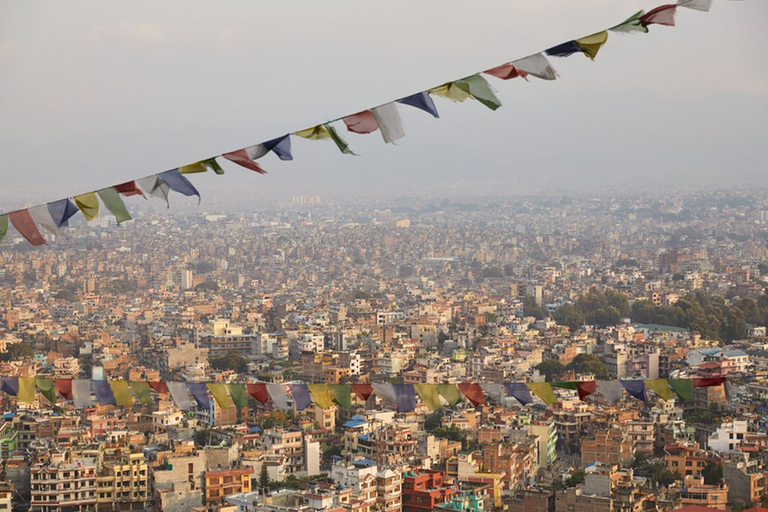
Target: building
[
  {"x": 124, "y": 485},
  {"x": 425, "y": 489},
  {"x": 696, "y": 492},
  {"x": 226, "y": 482},
  {"x": 389, "y": 491},
  {"x": 608, "y": 447},
  {"x": 62, "y": 484},
  {"x": 547, "y": 433}
]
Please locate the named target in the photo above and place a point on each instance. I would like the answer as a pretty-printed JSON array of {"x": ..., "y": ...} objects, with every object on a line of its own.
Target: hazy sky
[{"x": 93, "y": 93}]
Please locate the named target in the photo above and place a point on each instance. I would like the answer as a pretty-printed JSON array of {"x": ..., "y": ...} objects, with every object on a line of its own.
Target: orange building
[{"x": 219, "y": 484}]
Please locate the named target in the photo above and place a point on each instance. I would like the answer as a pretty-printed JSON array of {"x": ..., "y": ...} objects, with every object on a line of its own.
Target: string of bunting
[
  {"x": 124, "y": 393},
  {"x": 385, "y": 118}
]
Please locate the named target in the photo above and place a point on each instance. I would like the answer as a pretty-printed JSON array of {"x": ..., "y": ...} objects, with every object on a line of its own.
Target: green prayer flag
[
  {"x": 142, "y": 391},
  {"x": 115, "y": 204},
  {"x": 429, "y": 395},
  {"x": 341, "y": 394},
  {"x": 340, "y": 143},
  {"x": 46, "y": 388},
  {"x": 631, "y": 24},
  {"x": 479, "y": 88},
  {"x": 3, "y": 225},
  {"x": 565, "y": 385},
  {"x": 219, "y": 392},
  {"x": 450, "y": 392},
  {"x": 122, "y": 393},
  {"x": 544, "y": 391},
  {"x": 660, "y": 387},
  {"x": 683, "y": 388},
  {"x": 26, "y": 390},
  {"x": 321, "y": 395},
  {"x": 239, "y": 394}
]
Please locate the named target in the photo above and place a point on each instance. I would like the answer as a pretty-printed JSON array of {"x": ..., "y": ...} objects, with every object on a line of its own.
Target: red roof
[
  {"x": 757, "y": 509},
  {"x": 697, "y": 508}
]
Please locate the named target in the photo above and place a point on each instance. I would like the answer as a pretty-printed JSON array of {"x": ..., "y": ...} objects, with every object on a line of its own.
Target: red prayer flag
[
  {"x": 362, "y": 122},
  {"x": 473, "y": 392},
  {"x": 259, "y": 391},
  {"x": 505, "y": 72},
  {"x": 64, "y": 387},
  {"x": 662, "y": 15},
  {"x": 240, "y": 157},
  {"x": 25, "y": 224},
  {"x": 160, "y": 387},
  {"x": 711, "y": 381},
  {"x": 362, "y": 390},
  {"x": 129, "y": 188},
  {"x": 586, "y": 388}
]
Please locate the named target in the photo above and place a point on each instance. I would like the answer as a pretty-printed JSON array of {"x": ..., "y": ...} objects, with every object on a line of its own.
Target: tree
[
  {"x": 203, "y": 437},
  {"x": 712, "y": 473},
  {"x": 550, "y": 368},
  {"x": 532, "y": 308},
  {"x": 569, "y": 315},
  {"x": 16, "y": 352},
  {"x": 576, "y": 478},
  {"x": 589, "y": 364},
  {"x": 433, "y": 420},
  {"x": 231, "y": 361},
  {"x": 264, "y": 477}
]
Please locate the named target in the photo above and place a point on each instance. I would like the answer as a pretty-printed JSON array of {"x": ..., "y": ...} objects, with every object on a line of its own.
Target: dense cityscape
[{"x": 557, "y": 289}]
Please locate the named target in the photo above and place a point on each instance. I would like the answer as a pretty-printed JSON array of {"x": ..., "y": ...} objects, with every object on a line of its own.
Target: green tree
[
  {"x": 16, "y": 352},
  {"x": 589, "y": 364},
  {"x": 230, "y": 361},
  {"x": 203, "y": 437},
  {"x": 264, "y": 477},
  {"x": 576, "y": 478},
  {"x": 550, "y": 368},
  {"x": 712, "y": 473},
  {"x": 531, "y": 308},
  {"x": 433, "y": 420},
  {"x": 569, "y": 315}
]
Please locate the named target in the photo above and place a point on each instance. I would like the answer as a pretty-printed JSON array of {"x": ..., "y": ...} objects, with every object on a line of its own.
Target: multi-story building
[
  {"x": 63, "y": 484},
  {"x": 547, "y": 433},
  {"x": 389, "y": 491},
  {"x": 124, "y": 485},
  {"x": 424, "y": 489},
  {"x": 226, "y": 482},
  {"x": 613, "y": 446},
  {"x": 696, "y": 492}
]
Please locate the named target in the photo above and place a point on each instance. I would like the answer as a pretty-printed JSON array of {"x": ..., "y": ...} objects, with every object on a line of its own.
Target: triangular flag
[
  {"x": 179, "y": 183},
  {"x": 632, "y": 24},
  {"x": 142, "y": 391},
  {"x": 25, "y": 225},
  {"x": 280, "y": 146},
  {"x": 429, "y": 395},
  {"x": 537, "y": 65},
  {"x": 279, "y": 395},
  {"x": 41, "y": 215},
  {"x": 27, "y": 390},
  {"x": 405, "y": 397},
  {"x": 564, "y": 49},
  {"x": 586, "y": 388},
  {"x": 473, "y": 392},
  {"x": 422, "y": 101},
  {"x": 121, "y": 392},
  {"x": 385, "y": 390},
  {"x": 180, "y": 395},
  {"x": 450, "y": 392},
  {"x": 301, "y": 397},
  {"x": 159, "y": 387},
  {"x": 129, "y": 188},
  {"x": 495, "y": 392},
  {"x": 661, "y": 388},
  {"x": 61, "y": 211},
  {"x": 450, "y": 91},
  {"x": 663, "y": 15},
  {"x": 200, "y": 393},
  {"x": 544, "y": 391},
  {"x": 318, "y": 132},
  {"x": 321, "y": 395},
  {"x": 611, "y": 390},
  {"x": 590, "y": 45},
  {"x": 362, "y": 122},
  {"x": 519, "y": 391},
  {"x": 388, "y": 118},
  {"x": 683, "y": 388},
  {"x": 698, "y": 5},
  {"x": 46, "y": 388},
  {"x": 239, "y": 394},
  {"x": 707, "y": 382},
  {"x": 3, "y": 225},
  {"x": 479, "y": 88},
  {"x": 636, "y": 388},
  {"x": 506, "y": 71},
  {"x": 219, "y": 392},
  {"x": 363, "y": 391},
  {"x": 114, "y": 203},
  {"x": 202, "y": 166},
  {"x": 81, "y": 393},
  {"x": 341, "y": 394},
  {"x": 340, "y": 143},
  {"x": 258, "y": 390},
  {"x": 574, "y": 385},
  {"x": 243, "y": 157},
  {"x": 88, "y": 204},
  {"x": 10, "y": 385},
  {"x": 155, "y": 187},
  {"x": 103, "y": 392},
  {"x": 64, "y": 388}
]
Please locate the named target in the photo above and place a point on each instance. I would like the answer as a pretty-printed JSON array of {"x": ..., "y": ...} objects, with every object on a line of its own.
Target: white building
[{"x": 728, "y": 436}]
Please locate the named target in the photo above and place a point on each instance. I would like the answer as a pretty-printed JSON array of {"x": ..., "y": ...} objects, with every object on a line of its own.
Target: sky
[{"x": 96, "y": 93}]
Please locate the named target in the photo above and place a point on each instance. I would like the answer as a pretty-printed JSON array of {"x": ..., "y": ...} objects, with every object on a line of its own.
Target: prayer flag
[
  {"x": 321, "y": 395},
  {"x": 42, "y": 216},
  {"x": 3, "y": 225},
  {"x": 711, "y": 381},
  {"x": 179, "y": 183},
  {"x": 142, "y": 391},
  {"x": 64, "y": 388},
  {"x": 636, "y": 388},
  {"x": 61, "y": 211},
  {"x": 519, "y": 391},
  {"x": 564, "y": 50},
  {"x": 495, "y": 392},
  {"x": 663, "y": 15},
  {"x": 10, "y": 385},
  {"x": 81, "y": 393},
  {"x": 450, "y": 392},
  {"x": 388, "y": 118},
  {"x": 506, "y": 71},
  {"x": 155, "y": 187},
  {"x": 129, "y": 188},
  {"x": 159, "y": 386},
  {"x": 340, "y": 143},
  {"x": 611, "y": 390},
  {"x": 202, "y": 166},
  {"x": 121, "y": 392},
  {"x": 405, "y": 397},
  {"x": 341, "y": 394},
  {"x": 200, "y": 393},
  {"x": 479, "y": 88},
  {"x": 243, "y": 157},
  {"x": 180, "y": 395},
  {"x": 698, "y": 5},
  {"x": 258, "y": 391},
  {"x": 25, "y": 225},
  {"x": 318, "y": 132},
  {"x": 660, "y": 387},
  {"x": 363, "y": 391},
  {"x": 46, "y": 388},
  {"x": 683, "y": 388},
  {"x": 300, "y": 394},
  {"x": 590, "y": 45},
  {"x": 114, "y": 203},
  {"x": 279, "y": 395},
  {"x": 362, "y": 122},
  {"x": 473, "y": 392},
  {"x": 537, "y": 65},
  {"x": 429, "y": 395},
  {"x": 239, "y": 394},
  {"x": 88, "y": 204},
  {"x": 544, "y": 391},
  {"x": 219, "y": 392},
  {"x": 422, "y": 101},
  {"x": 586, "y": 388},
  {"x": 280, "y": 146},
  {"x": 574, "y": 385},
  {"x": 103, "y": 392},
  {"x": 26, "y": 390},
  {"x": 385, "y": 390},
  {"x": 632, "y": 24},
  {"x": 450, "y": 91}
]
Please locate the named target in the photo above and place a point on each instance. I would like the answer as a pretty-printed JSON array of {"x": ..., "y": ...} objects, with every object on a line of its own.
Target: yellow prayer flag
[
  {"x": 88, "y": 204},
  {"x": 319, "y": 132},
  {"x": 27, "y": 390},
  {"x": 591, "y": 44},
  {"x": 193, "y": 168},
  {"x": 544, "y": 391},
  {"x": 122, "y": 393},
  {"x": 219, "y": 392},
  {"x": 450, "y": 91},
  {"x": 321, "y": 395}
]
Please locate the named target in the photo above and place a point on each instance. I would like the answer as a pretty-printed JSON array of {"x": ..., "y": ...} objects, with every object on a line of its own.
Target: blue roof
[
  {"x": 9, "y": 415},
  {"x": 364, "y": 463},
  {"x": 353, "y": 423},
  {"x": 709, "y": 351},
  {"x": 734, "y": 353},
  {"x": 254, "y": 429},
  {"x": 364, "y": 437}
]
